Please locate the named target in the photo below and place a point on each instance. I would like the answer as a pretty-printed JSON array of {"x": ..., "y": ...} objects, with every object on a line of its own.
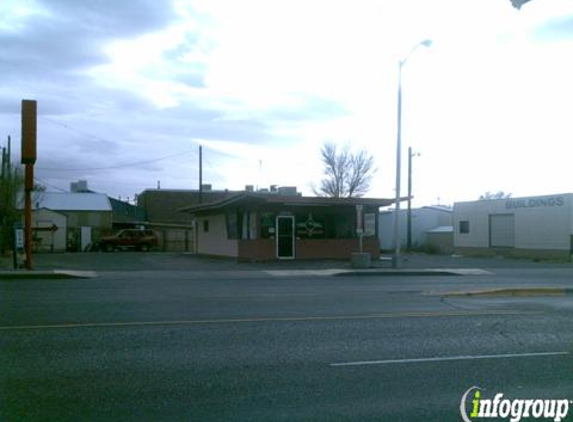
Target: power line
[
  {"x": 85, "y": 133},
  {"x": 73, "y": 129},
  {"x": 226, "y": 154},
  {"x": 101, "y": 139},
  {"x": 43, "y": 182},
  {"x": 119, "y": 165},
  {"x": 138, "y": 163},
  {"x": 215, "y": 172}
]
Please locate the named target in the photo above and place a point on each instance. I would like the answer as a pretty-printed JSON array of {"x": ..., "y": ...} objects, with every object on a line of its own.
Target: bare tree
[
  {"x": 345, "y": 174},
  {"x": 497, "y": 195}
]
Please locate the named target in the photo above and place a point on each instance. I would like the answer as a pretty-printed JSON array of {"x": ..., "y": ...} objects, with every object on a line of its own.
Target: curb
[
  {"x": 46, "y": 275},
  {"x": 513, "y": 292},
  {"x": 377, "y": 272},
  {"x": 415, "y": 272}
]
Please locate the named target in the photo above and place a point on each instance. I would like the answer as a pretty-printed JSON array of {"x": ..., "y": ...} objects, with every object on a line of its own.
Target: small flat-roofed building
[
  {"x": 255, "y": 226},
  {"x": 161, "y": 208}
]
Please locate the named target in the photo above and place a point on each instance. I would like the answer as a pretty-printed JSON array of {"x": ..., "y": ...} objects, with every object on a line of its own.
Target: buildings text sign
[{"x": 548, "y": 201}]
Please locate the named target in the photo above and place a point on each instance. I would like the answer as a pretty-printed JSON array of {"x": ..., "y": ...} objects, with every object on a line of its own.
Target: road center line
[
  {"x": 448, "y": 358},
  {"x": 389, "y": 315}
]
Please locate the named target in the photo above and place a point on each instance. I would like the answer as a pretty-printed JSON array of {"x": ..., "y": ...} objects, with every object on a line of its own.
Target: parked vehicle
[{"x": 141, "y": 240}]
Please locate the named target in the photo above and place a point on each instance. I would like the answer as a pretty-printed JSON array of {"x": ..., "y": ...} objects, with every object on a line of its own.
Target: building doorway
[{"x": 285, "y": 237}]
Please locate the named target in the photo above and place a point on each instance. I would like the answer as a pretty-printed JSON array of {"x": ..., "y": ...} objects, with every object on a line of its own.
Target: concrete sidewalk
[
  {"x": 45, "y": 275},
  {"x": 60, "y": 265}
]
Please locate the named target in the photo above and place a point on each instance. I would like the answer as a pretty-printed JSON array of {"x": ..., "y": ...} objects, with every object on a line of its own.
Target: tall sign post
[{"x": 29, "y": 108}]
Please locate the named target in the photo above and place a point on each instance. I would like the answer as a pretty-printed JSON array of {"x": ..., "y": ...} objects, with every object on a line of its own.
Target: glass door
[{"x": 285, "y": 237}]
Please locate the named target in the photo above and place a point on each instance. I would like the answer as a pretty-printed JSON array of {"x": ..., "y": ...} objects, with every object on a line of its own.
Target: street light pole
[{"x": 396, "y": 258}]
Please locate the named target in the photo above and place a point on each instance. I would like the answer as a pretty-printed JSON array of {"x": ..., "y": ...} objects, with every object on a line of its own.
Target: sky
[{"x": 127, "y": 91}]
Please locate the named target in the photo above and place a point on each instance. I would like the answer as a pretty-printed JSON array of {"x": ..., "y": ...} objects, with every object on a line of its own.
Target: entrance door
[
  {"x": 501, "y": 231},
  {"x": 285, "y": 237},
  {"x": 85, "y": 237}
]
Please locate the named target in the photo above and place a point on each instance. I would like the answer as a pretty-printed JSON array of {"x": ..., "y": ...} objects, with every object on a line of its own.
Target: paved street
[{"x": 194, "y": 344}]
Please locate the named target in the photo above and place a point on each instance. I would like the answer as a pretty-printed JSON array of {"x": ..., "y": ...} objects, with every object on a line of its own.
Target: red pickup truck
[{"x": 140, "y": 240}]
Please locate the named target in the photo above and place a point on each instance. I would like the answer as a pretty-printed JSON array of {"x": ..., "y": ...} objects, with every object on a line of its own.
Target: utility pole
[
  {"x": 3, "y": 171},
  {"x": 409, "y": 214},
  {"x": 260, "y": 175},
  {"x": 6, "y": 153},
  {"x": 200, "y": 174},
  {"x": 7, "y": 182},
  {"x": 9, "y": 154}
]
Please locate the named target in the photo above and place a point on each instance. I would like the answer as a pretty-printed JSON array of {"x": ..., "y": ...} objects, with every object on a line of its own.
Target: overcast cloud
[{"x": 127, "y": 90}]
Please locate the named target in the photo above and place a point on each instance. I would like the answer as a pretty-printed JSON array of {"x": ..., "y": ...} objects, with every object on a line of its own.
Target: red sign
[{"x": 28, "y": 131}]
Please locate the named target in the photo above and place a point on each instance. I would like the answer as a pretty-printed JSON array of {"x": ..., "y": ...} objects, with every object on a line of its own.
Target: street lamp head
[{"x": 425, "y": 43}]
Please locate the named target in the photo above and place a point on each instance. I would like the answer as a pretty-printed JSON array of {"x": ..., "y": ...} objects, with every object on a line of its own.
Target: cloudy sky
[{"x": 128, "y": 90}]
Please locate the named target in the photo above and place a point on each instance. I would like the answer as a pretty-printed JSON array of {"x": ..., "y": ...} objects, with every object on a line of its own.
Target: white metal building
[
  {"x": 533, "y": 227},
  {"x": 88, "y": 215},
  {"x": 49, "y": 228},
  {"x": 423, "y": 219}
]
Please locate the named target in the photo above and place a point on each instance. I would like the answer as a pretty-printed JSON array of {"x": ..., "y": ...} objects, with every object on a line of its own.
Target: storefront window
[
  {"x": 308, "y": 226},
  {"x": 267, "y": 225},
  {"x": 312, "y": 225},
  {"x": 340, "y": 226},
  {"x": 234, "y": 222}
]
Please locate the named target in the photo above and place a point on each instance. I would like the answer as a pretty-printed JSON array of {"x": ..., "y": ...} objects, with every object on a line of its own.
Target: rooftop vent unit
[
  {"x": 287, "y": 191},
  {"x": 79, "y": 186}
]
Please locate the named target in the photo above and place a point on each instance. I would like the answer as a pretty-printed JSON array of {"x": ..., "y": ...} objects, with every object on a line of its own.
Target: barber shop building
[
  {"x": 539, "y": 227},
  {"x": 263, "y": 227}
]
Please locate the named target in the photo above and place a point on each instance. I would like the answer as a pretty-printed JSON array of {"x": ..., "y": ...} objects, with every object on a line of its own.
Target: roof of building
[
  {"x": 514, "y": 199},
  {"x": 163, "y": 205},
  {"x": 441, "y": 229},
  {"x": 63, "y": 201},
  {"x": 439, "y": 208},
  {"x": 274, "y": 199},
  {"x": 124, "y": 212}
]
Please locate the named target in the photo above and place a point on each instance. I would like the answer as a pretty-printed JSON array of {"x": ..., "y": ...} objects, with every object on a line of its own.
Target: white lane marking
[{"x": 448, "y": 358}]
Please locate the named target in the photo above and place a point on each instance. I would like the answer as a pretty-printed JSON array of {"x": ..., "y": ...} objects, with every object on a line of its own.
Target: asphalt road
[{"x": 248, "y": 346}]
